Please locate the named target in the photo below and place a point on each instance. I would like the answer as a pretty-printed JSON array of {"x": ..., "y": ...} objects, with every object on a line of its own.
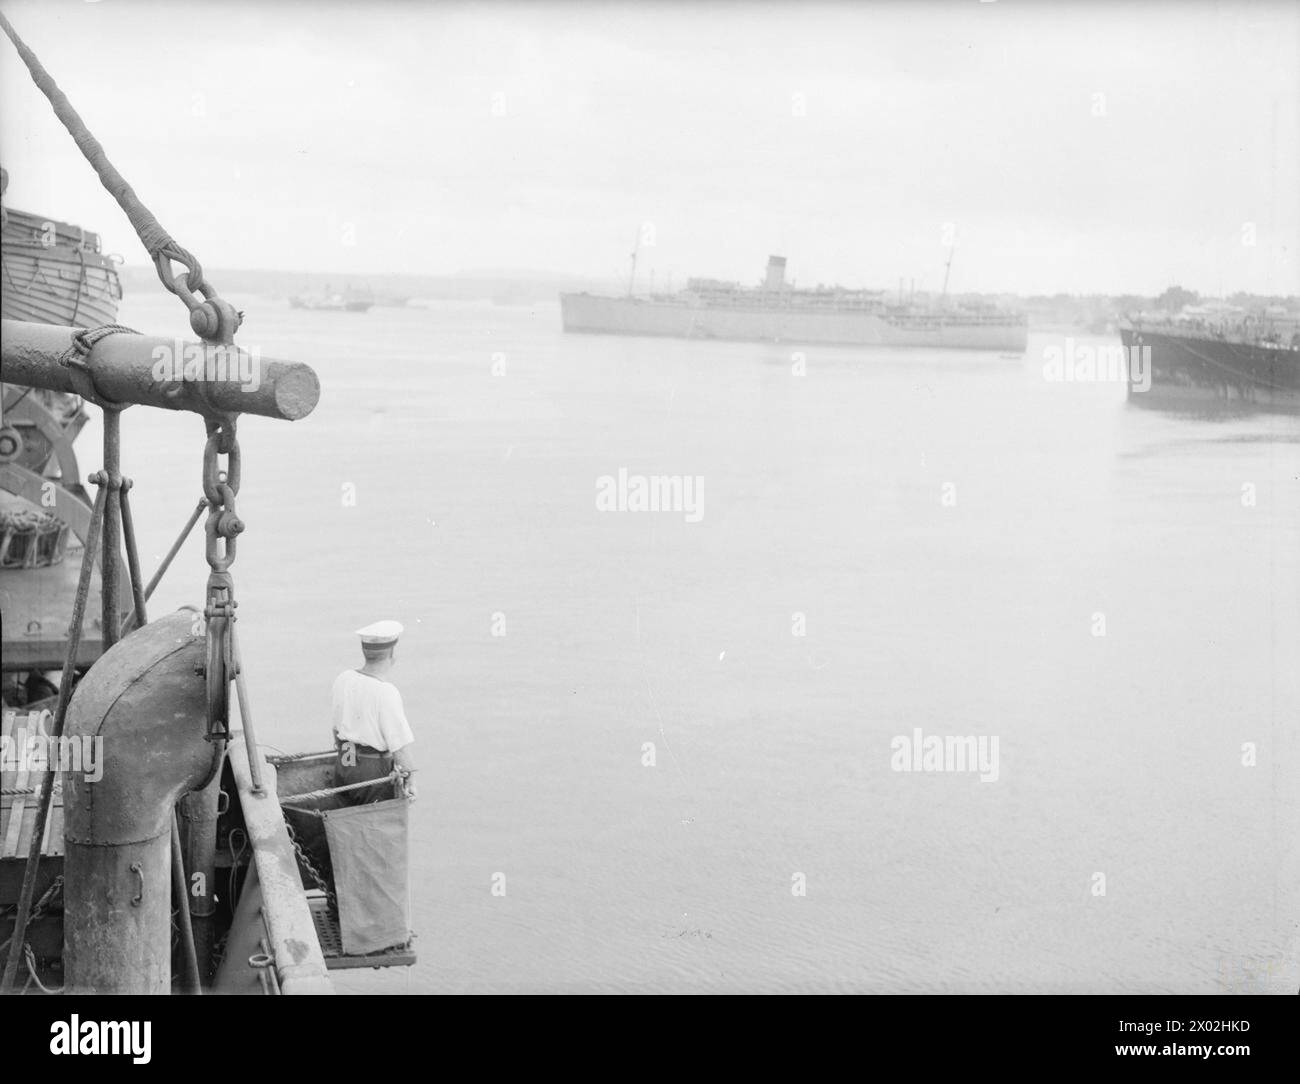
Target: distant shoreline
[{"x": 1058, "y": 312}]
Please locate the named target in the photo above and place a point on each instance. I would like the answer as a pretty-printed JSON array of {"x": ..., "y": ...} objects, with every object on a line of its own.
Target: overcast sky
[{"x": 1099, "y": 147}]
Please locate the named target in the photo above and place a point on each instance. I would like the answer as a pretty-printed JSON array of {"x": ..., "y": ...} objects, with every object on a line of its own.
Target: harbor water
[{"x": 658, "y": 750}]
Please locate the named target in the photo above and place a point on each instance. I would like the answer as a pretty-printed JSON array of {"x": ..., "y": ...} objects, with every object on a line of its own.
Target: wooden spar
[{"x": 173, "y": 374}]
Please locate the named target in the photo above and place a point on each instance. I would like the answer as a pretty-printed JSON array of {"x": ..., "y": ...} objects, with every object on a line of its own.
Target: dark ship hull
[{"x": 1195, "y": 366}]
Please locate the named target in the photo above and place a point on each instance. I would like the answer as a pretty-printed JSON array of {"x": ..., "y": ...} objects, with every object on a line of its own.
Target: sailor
[{"x": 371, "y": 735}]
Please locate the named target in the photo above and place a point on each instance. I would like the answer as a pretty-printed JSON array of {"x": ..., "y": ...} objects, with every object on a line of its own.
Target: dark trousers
[{"x": 366, "y": 763}]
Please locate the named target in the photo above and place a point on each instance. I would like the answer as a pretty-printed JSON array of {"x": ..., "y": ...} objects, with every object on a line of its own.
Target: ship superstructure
[{"x": 777, "y": 311}]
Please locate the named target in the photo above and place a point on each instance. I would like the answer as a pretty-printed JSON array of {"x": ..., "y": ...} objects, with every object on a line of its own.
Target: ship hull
[
  {"x": 636, "y": 316},
  {"x": 314, "y": 305},
  {"x": 1190, "y": 370},
  {"x": 52, "y": 286}
]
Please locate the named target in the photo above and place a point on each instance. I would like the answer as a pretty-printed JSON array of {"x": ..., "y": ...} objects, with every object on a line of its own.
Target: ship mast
[
  {"x": 636, "y": 247},
  {"x": 943, "y": 297}
]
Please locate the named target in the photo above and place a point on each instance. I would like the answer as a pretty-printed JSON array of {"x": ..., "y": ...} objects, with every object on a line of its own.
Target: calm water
[{"x": 475, "y": 503}]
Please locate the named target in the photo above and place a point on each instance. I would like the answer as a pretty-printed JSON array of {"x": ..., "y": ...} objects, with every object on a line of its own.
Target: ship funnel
[
  {"x": 775, "y": 280},
  {"x": 143, "y": 704}
]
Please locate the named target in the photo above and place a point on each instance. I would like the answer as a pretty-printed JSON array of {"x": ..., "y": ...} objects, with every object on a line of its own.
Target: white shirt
[{"x": 368, "y": 710}]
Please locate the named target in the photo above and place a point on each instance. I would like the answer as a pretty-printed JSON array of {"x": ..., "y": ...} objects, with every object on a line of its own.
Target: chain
[
  {"x": 312, "y": 871},
  {"x": 223, "y": 526},
  {"x": 221, "y": 487}
]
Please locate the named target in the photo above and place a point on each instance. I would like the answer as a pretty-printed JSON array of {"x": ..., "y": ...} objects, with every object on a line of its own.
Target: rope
[
  {"x": 326, "y": 792},
  {"x": 74, "y": 358},
  {"x": 83, "y": 341},
  {"x": 220, "y": 321},
  {"x": 286, "y": 758},
  {"x": 30, "y": 958},
  {"x": 17, "y": 518},
  {"x": 155, "y": 239}
]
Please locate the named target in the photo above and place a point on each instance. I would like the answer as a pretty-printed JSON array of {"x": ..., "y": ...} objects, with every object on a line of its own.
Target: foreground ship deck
[{"x": 143, "y": 845}]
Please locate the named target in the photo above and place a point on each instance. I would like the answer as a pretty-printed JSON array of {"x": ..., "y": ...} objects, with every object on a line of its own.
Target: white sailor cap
[{"x": 381, "y": 632}]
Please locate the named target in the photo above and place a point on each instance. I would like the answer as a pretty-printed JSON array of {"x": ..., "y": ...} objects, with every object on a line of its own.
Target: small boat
[
  {"x": 349, "y": 301},
  {"x": 54, "y": 272}
]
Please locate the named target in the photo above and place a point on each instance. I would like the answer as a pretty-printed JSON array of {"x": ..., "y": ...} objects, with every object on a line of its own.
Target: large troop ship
[{"x": 776, "y": 311}]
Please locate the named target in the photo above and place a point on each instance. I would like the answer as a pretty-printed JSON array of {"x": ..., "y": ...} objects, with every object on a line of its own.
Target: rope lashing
[{"x": 74, "y": 359}]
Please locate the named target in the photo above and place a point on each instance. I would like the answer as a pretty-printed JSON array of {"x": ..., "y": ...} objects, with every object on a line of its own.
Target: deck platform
[
  {"x": 331, "y": 943},
  {"x": 19, "y": 802}
]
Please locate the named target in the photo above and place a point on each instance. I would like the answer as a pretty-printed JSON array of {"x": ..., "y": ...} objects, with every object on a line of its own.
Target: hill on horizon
[{"x": 514, "y": 286}]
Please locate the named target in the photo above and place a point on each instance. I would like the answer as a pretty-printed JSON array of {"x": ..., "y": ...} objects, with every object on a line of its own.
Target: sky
[{"x": 1072, "y": 147}]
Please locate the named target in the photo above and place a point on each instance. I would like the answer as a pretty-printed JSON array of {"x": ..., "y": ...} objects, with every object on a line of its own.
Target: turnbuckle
[{"x": 219, "y": 668}]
